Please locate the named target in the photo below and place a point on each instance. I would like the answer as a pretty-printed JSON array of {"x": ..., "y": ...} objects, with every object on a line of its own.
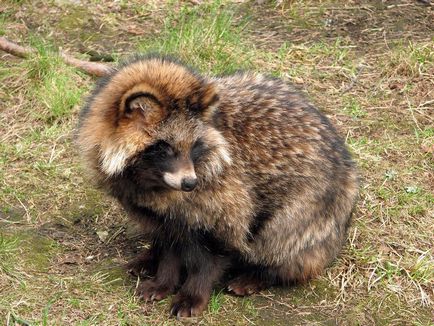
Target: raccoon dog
[{"x": 235, "y": 178}]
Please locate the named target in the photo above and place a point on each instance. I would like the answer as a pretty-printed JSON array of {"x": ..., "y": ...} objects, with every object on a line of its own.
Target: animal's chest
[{"x": 226, "y": 211}]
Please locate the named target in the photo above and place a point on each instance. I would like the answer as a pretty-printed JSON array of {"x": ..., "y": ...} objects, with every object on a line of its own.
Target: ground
[{"x": 369, "y": 65}]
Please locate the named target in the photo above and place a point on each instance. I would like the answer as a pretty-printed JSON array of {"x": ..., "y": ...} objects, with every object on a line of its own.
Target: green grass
[
  {"x": 207, "y": 37},
  {"x": 249, "y": 307},
  {"x": 409, "y": 59},
  {"x": 216, "y": 301},
  {"x": 8, "y": 249},
  {"x": 354, "y": 109},
  {"x": 2, "y": 24},
  {"x": 60, "y": 94},
  {"x": 300, "y": 18},
  {"x": 333, "y": 62},
  {"x": 55, "y": 84},
  {"x": 338, "y": 52}
]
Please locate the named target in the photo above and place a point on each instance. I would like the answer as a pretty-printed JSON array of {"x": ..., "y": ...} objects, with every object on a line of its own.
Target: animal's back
[{"x": 297, "y": 169}]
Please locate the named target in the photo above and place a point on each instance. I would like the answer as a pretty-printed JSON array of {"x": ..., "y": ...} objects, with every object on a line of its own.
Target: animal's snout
[
  {"x": 183, "y": 176},
  {"x": 188, "y": 184}
]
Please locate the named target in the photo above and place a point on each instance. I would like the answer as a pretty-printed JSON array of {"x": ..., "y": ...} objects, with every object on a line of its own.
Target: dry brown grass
[{"x": 368, "y": 66}]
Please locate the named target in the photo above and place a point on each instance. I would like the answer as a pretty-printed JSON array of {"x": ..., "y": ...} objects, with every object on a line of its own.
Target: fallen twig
[
  {"x": 14, "y": 49},
  {"x": 354, "y": 80},
  {"x": 91, "y": 68},
  {"x": 426, "y": 2}
]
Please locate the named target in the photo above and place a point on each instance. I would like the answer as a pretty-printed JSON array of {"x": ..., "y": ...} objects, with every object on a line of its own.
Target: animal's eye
[
  {"x": 198, "y": 150},
  {"x": 162, "y": 149},
  {"x": 195, "y": 107}
]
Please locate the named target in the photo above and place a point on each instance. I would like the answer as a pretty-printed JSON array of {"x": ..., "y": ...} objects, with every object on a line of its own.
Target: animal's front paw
[
  {"x": 246, "y": 285},
  {"x": 150, "y": 290},
  {"x": 143, "y": 265},
  {"x": 187, "y": 305}
]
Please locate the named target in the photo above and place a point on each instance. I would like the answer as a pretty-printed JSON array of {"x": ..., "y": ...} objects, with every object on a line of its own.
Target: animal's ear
[
  {"x": 204, "y": 100},
  {"x": 209, "y": 96},
  {"x": 140, "y": 103}
]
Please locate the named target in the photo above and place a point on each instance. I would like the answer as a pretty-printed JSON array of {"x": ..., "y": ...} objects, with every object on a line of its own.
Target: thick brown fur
[{"x": 268, "y": 184}]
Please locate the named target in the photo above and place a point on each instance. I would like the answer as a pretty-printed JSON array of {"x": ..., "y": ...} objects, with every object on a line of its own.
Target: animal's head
[{"x": 151, "y": 121}]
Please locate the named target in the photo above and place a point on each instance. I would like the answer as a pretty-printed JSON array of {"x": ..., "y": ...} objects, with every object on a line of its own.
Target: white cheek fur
[
  {"x": 113, "y": 161},
  {"x": 173, "y": 179}
]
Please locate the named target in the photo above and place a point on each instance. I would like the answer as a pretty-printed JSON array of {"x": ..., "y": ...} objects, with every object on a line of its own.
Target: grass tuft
[
  {"x": 2, "y": 24},
  {"x": 55, "y": 85},
  {"x": 423, "y": 270},
  {"x": 208, "y": 37},
  {"x": 60, "y": 94},
  {"x": 216, "y": 302},
  {"x": 409, "y": 60},
  {"x": 8, "y": 248},
  {"x": 354, "y": 109}
]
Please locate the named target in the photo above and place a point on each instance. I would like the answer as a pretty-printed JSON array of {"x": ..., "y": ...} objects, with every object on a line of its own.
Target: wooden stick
[
  {"x": 14, "y": 49},
  {"x": 91, "y": 68}
]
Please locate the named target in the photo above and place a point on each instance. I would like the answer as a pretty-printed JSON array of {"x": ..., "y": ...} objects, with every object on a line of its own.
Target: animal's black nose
[{"x": 188, "y": 184}]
